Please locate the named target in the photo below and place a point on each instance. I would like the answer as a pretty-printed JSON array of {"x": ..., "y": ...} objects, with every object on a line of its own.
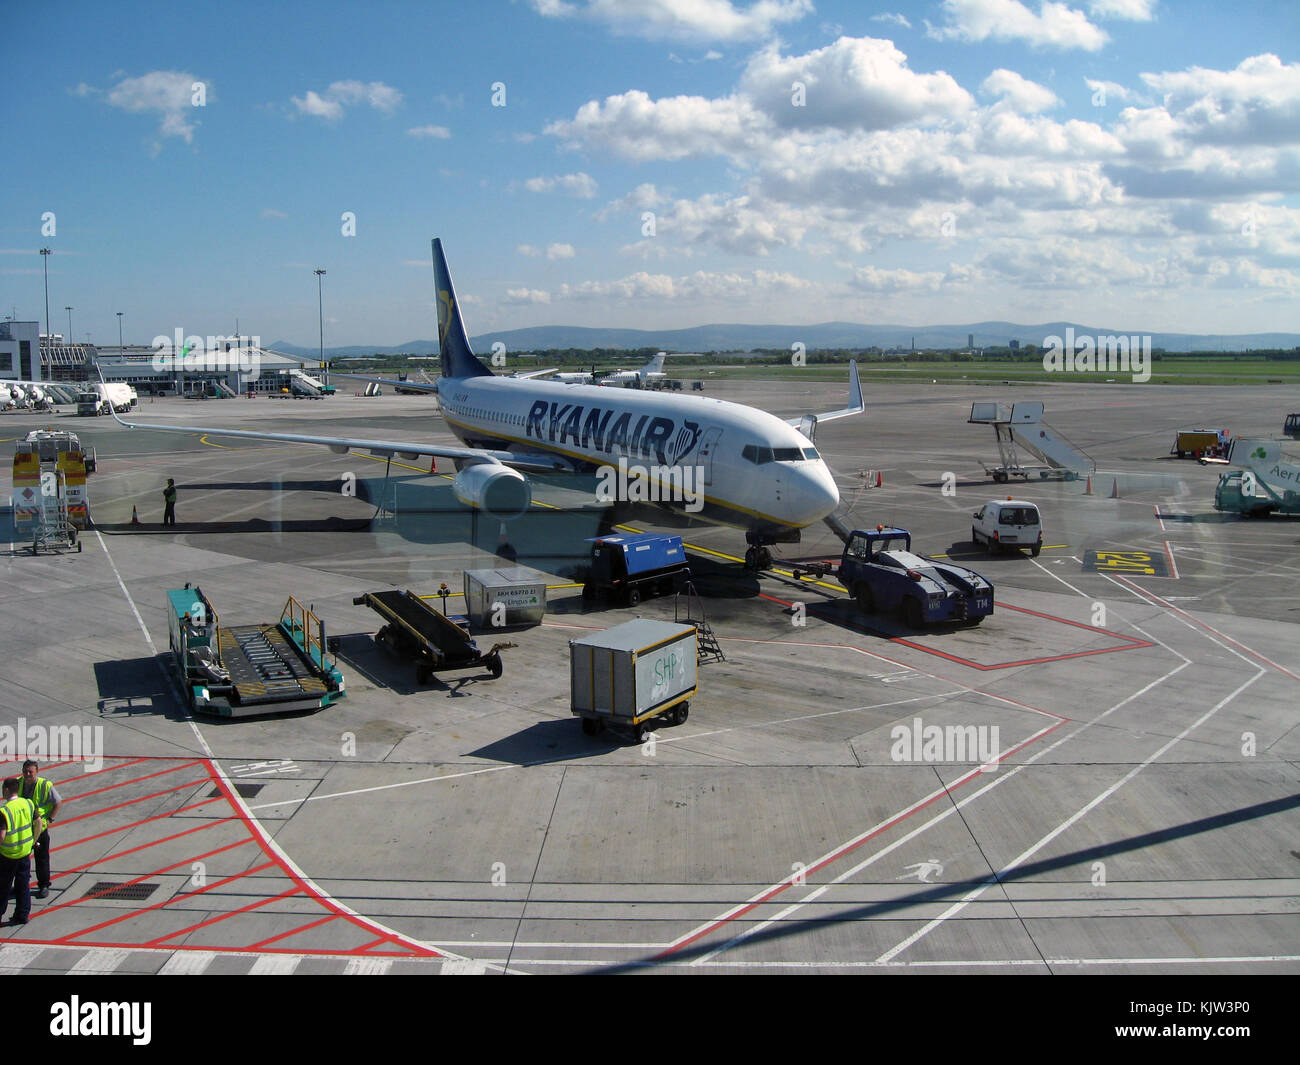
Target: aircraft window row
[
  {"x": 491, "y": 415},
  {"x": 761, "y": 455}
]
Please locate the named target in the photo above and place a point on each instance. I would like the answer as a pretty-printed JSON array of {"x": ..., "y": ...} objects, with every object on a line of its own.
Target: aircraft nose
[{"x": 815, "y": 493}]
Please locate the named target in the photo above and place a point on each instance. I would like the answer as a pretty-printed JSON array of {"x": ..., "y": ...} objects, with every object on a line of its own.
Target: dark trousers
[
  {"x": 15, "y": 879},
  {"x": 169, "y": 514},
  {"x": 41, "y": 852}
]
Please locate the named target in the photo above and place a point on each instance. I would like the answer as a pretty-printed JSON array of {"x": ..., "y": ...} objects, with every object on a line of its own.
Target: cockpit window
[
  {"x": 810, "y": 453},
  {"x": 788, "y": 454},
  {"x": 757, "y": 455}
]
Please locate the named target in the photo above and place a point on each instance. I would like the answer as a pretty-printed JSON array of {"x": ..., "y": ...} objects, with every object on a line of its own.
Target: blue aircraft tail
[{"x": 457, "y": 358}]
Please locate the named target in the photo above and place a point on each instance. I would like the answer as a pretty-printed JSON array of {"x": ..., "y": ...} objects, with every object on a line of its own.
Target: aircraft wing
[
  {"x": 856, "y": 406},
  {"x": 534, "y": 373},
  {"x": 392, "y": 382},
  {"x": 533, "y": 461}
]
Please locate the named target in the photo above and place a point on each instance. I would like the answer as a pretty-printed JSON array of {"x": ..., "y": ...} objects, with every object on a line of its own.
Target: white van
[{"x": 1012, "y": 523}]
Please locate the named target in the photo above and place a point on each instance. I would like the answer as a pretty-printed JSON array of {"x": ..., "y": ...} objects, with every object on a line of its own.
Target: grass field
[{"x": 1168, "y": 371}]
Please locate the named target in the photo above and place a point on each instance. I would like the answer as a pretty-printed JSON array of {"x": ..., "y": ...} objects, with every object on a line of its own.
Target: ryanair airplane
[{"x": 755, "y": 471}]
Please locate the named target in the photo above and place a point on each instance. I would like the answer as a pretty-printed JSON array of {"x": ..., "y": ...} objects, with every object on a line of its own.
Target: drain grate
[
  {"x": 245, "y": 791},
  {"x": 111, "y": 889}
]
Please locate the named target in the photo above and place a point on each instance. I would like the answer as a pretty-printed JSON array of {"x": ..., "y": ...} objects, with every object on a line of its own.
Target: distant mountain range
[{"x": 726, "y": 338}]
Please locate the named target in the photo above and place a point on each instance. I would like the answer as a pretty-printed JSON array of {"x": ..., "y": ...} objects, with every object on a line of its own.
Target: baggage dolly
[{"x": 416, "y": 630}]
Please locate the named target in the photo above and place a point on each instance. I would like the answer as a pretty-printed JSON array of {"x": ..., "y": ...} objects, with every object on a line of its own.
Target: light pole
[
  {"x": 320, "y": 304},
  {"x": 121, "y": 351},
  {"x": 45, "y": 261},
  {"x": 69, "y": 310}
]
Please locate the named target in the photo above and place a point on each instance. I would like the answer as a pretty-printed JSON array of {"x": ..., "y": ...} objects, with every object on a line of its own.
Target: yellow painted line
[{"x": 1046, "y": 547}]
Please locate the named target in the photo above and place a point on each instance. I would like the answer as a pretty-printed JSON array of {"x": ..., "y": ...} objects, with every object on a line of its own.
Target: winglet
[
  {"x": 457, "y": 358},
  {"x": 856, "y": 406}
]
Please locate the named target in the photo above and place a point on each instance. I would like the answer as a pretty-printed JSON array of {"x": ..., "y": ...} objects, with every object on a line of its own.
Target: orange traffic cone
[
  {"x": 1114, "y": 489},
  {"x": 1087, "y": 488},
  {"x": 135, "y": 518},
  {"x": 880, "y": 479},
  {"x": 433, "y": 463}
]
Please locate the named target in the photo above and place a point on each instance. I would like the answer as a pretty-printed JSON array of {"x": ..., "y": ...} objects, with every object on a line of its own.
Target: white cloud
[
  {"x": 1018, "y": 92},
  {"x": 528, "y": 250},
  {"x": 855, "y": 83},
  {"x": 634, "y": 126},
  {"x": 430, "y": 132},
  {"x": 1104, "y": 91},
  {"x": 875, "y": 279},
  {"x": 581, "y": 185},
  {"x": 701, "y": 286},
  {"x": 1133, "y": 10},
  {"x": 271, "y": 212},
  {"x": 559, "y": 251},
  {"x": 527, "y": 295},
  {"x": 1258, "y": 102},
  {"x": 897, "y": 20},
  {"x": 164, "y": 92},
  {"x": 341, "y": 94},
  {"x": 688, "y": 20},
  {"x": 1055, "y": 25}
]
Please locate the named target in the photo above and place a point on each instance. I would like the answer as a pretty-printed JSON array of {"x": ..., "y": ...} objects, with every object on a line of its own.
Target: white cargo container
[
  {"x": 495, "y": 598},
  {"x": 633, "y": 672}
]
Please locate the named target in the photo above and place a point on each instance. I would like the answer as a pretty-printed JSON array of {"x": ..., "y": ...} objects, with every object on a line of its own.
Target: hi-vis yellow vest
[
  {"x": 18, "y": 836},
  {"x": 40, "y": 794}
]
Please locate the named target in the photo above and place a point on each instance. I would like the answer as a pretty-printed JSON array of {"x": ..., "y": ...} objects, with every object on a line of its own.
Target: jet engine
[{"x": 499, "y": 490}]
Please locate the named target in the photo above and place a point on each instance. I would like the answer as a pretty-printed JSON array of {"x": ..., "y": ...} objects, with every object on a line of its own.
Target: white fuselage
[{"x": 755, "y": 470}]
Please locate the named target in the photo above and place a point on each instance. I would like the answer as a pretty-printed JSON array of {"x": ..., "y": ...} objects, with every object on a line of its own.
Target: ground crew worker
[
  {"x": 47, "y": 801},
  {"x": 169, "y": 498},
  {"x": 19, "y": 826}
]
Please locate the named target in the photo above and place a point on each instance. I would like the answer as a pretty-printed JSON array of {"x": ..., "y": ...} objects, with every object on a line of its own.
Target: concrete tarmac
[{"x": 1138, "y": 813}]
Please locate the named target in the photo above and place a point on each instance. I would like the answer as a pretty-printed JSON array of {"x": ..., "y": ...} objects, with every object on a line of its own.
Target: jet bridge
[{"x": 1020, "y": 427}]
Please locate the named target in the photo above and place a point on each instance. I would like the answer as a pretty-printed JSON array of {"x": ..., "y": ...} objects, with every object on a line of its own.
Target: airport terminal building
[{"x": 230, "y": 367}]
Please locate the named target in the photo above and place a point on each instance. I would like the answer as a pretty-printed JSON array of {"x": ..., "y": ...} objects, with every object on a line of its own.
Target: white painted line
[
  {"x": 367, "y": 966},
  {"x": 99, "y": 962},
  {"x": 1001, "y": 779},
  {"x": 1078, "y": 815},
  {"x": 462, "y": 967},
  {"x": 187, "y": 963},
  {"x": 275, "y": 965},
  {"x": 1169, "y": 552},
  {"x": 998, "y": 963},
  {"x": 14, "y": 957}
]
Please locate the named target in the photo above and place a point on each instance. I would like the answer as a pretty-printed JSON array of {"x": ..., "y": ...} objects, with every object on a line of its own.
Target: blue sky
[{"x": 1129, "y": 163}]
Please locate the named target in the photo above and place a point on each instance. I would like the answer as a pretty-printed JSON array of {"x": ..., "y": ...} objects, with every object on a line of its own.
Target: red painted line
[
  {"x": 221, "y": 917},
  {"x": 143, "y": 846},
  {"x": 294, "y": 931},
  {"x": 293, "y": 875},
  {"x": 142, "y": 879},
  {"x": 1156, "y": 508},
  {"x": 848, "y": 848},
  {"x": 109, "y": 769},
  {"x": 1076, "y": 624},
  {"x": 1024, "y": 661},
  {"x": 137, "y": 824},
  {"x": 1209, "y": 628},
  {"x": 118, "y": 945},
  {"x": 165, "y": 902},
  {"x": 132, "y": 780},
  {"x": 142, "y": 798},
  {"x": 1173, "y": 566}
]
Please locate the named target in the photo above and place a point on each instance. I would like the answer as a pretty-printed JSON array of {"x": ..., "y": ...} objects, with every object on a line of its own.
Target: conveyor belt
[
  {"x": 428, "y": 627},
  {"x": 265, "y": 667}
]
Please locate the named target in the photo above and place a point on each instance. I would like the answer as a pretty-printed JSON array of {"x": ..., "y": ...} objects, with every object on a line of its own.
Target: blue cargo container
[{"x": 635, "y": 565}]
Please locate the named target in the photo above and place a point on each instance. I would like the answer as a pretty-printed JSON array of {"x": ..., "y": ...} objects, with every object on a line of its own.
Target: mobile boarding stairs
[{"x": 1020, "y": 427}]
